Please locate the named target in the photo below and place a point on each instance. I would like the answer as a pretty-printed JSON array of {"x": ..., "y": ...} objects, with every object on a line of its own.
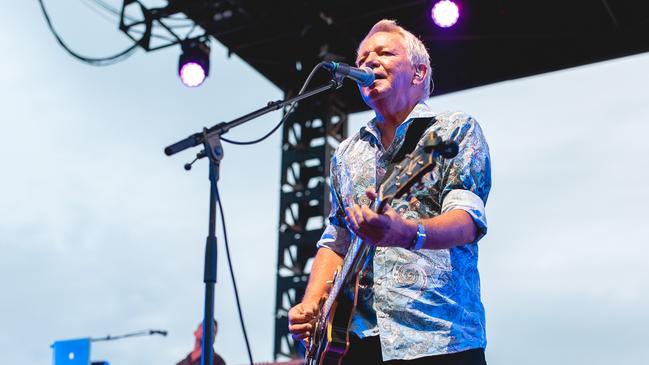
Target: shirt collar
[{"x": 421, "y": 110}]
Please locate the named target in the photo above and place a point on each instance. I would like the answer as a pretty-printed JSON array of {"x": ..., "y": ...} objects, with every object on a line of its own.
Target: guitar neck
[
  {"x": 349, "y": 261},
  {"x": 351, "y": 267},
  {"x": 355, "y": 257}
]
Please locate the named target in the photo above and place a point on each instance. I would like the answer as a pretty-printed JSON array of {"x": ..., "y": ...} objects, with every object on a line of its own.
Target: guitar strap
[{"x": 414, "y": 133}]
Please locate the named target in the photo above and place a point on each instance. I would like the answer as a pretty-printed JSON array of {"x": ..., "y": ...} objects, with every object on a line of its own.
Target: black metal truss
[
  {"x": 156, "y": 28},
  {"x": 310, "y": 136}
]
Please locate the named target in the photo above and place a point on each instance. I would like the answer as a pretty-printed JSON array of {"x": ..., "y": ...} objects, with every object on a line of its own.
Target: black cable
[
  {"x": 94, "y": 9},
  {"x": 179, "y": 22},
  {"x": 284, "y": 118},
  {"x": 118, "y": 13},
  {"x": 234, "y": 283},
  {"x": 102, "y": 61},
  {"x": 153, "y": 35},
  {"x": 111, "y": 9},
  {"x": 190, "y": 30},
  {"x": 106, "y": 17}
]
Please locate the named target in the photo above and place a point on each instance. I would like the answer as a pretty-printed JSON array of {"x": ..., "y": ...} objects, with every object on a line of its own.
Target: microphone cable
[
  {"x": 222, "y": 214},
  {"x": 234, "y": 282},
  {"x": 284, "y": 118}
]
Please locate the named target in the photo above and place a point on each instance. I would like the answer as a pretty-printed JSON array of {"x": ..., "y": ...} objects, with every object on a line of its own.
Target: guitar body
[
  {"x": 331, "y": 335},
  {"x": 335, "y": 344}
]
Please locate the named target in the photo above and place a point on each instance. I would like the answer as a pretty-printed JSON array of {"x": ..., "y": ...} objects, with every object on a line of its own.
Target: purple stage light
[
  {"x": 192, "y": 74},
  {"x": 194, "y": 62},
  {"x": 445, "y": 13}
]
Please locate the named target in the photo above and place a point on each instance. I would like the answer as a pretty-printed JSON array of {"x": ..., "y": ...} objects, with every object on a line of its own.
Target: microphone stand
[
  {"x": 210, "y": 138},
  {"x": 132, "y": 334}
]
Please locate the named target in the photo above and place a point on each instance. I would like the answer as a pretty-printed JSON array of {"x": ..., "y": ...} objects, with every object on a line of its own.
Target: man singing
[{"x": 421, "y": 304}]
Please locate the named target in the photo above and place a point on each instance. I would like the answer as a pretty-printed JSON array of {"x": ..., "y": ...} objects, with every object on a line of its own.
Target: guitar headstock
[{"x": 413, "y": 167}]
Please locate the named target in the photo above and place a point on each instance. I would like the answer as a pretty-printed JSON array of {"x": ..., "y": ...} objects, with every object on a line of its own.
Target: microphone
[
  {"x": 363, "y": 76},
  {"x": 158, "y": 332}
]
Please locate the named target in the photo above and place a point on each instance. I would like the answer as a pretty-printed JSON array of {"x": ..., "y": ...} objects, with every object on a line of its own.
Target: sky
[{"x": 101, "y": 233}]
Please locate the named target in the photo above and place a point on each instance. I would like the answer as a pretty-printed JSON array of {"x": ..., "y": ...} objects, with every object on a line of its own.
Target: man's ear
[{"x": 420, "y": 74}]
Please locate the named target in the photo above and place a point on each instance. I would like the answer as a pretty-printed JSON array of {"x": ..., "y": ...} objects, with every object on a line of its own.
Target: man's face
[
  {"x": 198, "y": 334},
  {"x": 386, "y": 55}
]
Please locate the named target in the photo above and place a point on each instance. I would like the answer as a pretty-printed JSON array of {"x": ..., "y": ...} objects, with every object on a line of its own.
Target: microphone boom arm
[
  {"x": 132, "y": 334},
  {"x": 222, "y": 128}
]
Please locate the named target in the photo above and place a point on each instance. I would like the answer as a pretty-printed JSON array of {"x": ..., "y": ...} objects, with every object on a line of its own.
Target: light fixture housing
[
  {"x": 194, "y": 62},
  {"x": 445, "y": 13}
]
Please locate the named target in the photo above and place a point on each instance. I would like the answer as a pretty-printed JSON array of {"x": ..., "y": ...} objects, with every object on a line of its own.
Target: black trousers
[{"x": 368, "y": 352}]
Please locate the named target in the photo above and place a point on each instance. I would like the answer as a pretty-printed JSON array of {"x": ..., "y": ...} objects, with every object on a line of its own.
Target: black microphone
[
  {"x": 363, "y": 76},
  {"x": 158, "y": 332}
]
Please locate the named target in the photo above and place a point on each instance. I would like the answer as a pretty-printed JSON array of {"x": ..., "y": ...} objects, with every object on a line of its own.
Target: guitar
[{"x": 330, "y": 339}]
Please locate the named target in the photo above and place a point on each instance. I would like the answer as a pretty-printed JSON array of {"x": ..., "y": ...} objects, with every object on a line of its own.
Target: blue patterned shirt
[{"x": 424, "y": 302}]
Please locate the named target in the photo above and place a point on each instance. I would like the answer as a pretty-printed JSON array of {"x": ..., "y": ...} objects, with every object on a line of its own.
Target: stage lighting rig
[
  {"x": 194, "y": 62},
  {"x": 157, "y": 28}
]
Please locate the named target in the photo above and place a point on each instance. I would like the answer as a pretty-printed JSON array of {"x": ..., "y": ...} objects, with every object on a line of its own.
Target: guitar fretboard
[{"x": 350, "y": 257}]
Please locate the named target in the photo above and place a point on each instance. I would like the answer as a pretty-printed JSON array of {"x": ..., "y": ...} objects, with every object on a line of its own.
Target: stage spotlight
[
  {"x": 445, "y": 13},
  {"x": 194, "y": 62}
]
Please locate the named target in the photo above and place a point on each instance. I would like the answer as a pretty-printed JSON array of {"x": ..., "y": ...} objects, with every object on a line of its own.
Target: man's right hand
[
  {"x": 301, "y": 320},
  {"x": 302, "y": 317}
]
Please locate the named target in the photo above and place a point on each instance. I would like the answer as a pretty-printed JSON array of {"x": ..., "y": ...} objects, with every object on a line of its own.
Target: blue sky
[{"x": 103, "y": 234}]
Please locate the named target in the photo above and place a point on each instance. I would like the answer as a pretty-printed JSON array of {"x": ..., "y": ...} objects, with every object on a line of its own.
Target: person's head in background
[{"x": 198, "y": 334}]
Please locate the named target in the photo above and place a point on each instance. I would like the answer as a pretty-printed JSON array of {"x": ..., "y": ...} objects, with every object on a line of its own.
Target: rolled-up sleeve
[
  {"x": 335, "y": 238},
  {"x": 470, "y": 203},
  {"x": 466, "y": 178}
]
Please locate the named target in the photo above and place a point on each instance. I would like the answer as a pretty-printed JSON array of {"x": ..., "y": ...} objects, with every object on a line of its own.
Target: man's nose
[{"x": 372, "y": 60}]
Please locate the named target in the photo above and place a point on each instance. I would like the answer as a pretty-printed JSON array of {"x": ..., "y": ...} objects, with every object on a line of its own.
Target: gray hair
[{"x": 415, "y": 49}]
